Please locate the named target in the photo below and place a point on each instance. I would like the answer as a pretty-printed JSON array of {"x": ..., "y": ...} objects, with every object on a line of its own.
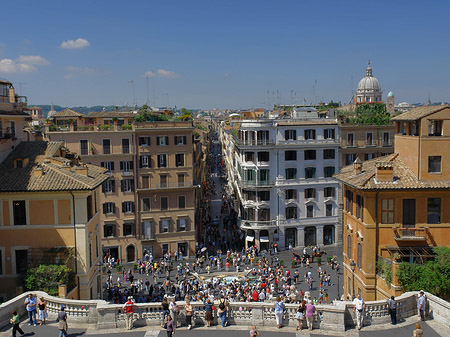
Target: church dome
[
  {"x": 391, "y": 94},
  {"x": 369, "y": 89}
]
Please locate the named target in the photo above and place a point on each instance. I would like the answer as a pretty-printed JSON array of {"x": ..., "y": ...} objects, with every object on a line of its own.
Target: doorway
[
  {"x": 409, "y": 215},
  {"x": 131, "y": 253},
  {"x": 310, "y": 236},
  {"x": 328, "y": 235},
  {"x": 291, "y": 237}
]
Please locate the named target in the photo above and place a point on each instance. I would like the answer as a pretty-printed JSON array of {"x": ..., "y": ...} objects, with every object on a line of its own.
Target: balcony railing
[
  {"x": 150, "y": 236},
  {"x": 410, "y": 234},
  {"x": 171, "y": 185},
  {"x": 258, "y": 224},
  {"x": 256, "y": 183},
  {"x": 262, "y": 142},
  {"x": 127, "y": 173},
  {"x": 387, "y": 143},
  {"x": 7, "y": 133}
]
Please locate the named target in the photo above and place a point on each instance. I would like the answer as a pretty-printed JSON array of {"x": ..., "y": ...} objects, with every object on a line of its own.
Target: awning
[
  {"x": 250, "y": 238},
  {"x": 264, "y": 239}
]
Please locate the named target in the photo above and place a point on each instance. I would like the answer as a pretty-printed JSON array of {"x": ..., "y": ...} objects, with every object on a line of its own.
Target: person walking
[
  {"x": 223, "y": 309},
  {"x": 254, "y": 332},
  {"x": 42, "y": 305},
  {"x": 421, "y": 306},
  {"x": 62, "y": 322},
  {"x": 174, "y": 311},
  {"x": 359, "y": 309},
  {"x": 15, "y": 321},
  {"x": 279, "y": 311},
  {"x": 188, "y": 311},
  {"x": 309, "y": 313},
  {"x": 128, "y": 308},
  {"x": 392, "y": 307},
  {"x": 170, "y": 326},
  {"x": 30, "y": 303},
  {"x": 300, "y": 314}
]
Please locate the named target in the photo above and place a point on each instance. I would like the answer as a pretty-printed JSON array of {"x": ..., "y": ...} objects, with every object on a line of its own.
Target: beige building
[
  {"x": 148, "y": 200},
  {"x": 49, "y": 199}
]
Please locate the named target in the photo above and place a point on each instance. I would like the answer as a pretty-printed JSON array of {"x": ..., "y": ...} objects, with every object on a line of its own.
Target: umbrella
[{"x": 203, "y": 249}]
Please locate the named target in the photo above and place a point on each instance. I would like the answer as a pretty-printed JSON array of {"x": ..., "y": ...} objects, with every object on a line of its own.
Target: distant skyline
[{"x": 229, "y": 54}]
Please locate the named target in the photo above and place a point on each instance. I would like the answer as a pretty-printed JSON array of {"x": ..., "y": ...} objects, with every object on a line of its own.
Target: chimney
[
  {"x": 82, "y": 169},
  {"x": 38, "y": 171},
  {"x": 385, "y": 171},
  {"x": 357, "y": 166}
]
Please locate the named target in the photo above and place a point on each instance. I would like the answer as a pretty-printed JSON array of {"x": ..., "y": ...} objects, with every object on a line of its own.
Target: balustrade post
[{"x": 258, "y": 315}]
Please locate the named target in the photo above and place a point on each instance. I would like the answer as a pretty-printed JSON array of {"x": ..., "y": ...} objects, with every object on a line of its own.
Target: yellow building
[
  {"x": 49, "y": 199},
  {"x": 396, "y": 208}
]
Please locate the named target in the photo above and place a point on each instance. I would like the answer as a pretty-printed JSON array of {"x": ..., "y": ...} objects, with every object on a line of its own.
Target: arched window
[
  {"x": 359, "y": 262},
  {"x": 349, "y": 246}
]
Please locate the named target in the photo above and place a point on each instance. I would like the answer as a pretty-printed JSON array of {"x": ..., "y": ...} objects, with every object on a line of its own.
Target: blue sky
[{"x": 224, "y": 54}]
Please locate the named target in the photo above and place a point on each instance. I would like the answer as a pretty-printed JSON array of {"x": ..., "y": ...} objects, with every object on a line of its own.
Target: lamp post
[
  {"x": 353, "y": 266},
  {"x": 337, "y": 273},
  {"x": 100, "y": 284}
]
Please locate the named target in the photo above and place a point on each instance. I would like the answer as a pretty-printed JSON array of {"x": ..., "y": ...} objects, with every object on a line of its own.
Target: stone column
[
  {"x": 300, "y": 236},
  {"x": 319, "y": 235},
  {"x": 257, "y": 243}
]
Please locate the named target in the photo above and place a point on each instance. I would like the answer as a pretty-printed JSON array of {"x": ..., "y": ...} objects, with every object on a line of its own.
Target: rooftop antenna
[
  {"x": 147, "y": 90},
  {"x": 268, "y": 100},
  {"x": 314, "y": 92},
  {"x": 132, "y": 86}
]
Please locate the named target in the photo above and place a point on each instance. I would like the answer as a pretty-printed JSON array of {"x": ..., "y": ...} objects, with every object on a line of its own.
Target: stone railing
[{"x": 337, "y": 316}]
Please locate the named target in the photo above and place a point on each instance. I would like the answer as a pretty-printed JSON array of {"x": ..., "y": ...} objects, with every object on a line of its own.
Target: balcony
[
  {"x": 370, "y": 143},
  {"x": 127, "y": 173},
  {"x": 262, "y": 142},
  {"x": 316, "y": 141},
  {"x": 387, "y": 143},
  {"x": 171, "y": 185},
  {"x": 250, "y": 224},
  {"x": 150, "y": 236},
  {"x": 256, "y": 183},
  {"x": 7, "y": 133},
  {"x": 410, "y": 234}
]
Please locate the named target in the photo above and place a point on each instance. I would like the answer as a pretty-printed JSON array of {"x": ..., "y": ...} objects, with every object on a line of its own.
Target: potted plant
[
  {"x": 119, "y": 268},
  {"x": 135, "y": 267},
  {"x": 329, "y": 258},
  {"x": 319, "y": 260},
  {"x": 397, "y": 257}
]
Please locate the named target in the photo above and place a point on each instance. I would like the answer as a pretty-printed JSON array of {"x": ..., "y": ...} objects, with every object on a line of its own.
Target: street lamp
[
  {"x": 337, "y": 273},
  {"x": 353, "y": 266},
  {"x": 99, "y": 265}
]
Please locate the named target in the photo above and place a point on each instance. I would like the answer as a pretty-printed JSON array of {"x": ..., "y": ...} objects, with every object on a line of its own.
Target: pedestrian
[
  {"x": 128, "y": 308},
  {"x": 174, "y": 310},
  {"x": 30, "y": 303},
  {"x": 421, "y": 306},
  {"x": 359, "y": 307},
  {"x": 170, "y": 326},
  {"x": 208, "y": 312},
  {"x": 62, "y": 322},
  {"x": 188, "y": 311},
  {"x": 42, "y": 305},
  {"x": 418, "y": 331},
  {"x": 254, "y": 332},
  {"x": 15, "y": 321},
  {"x": 300, "y": 314},
  {"x": 165, "y": 308},
  {"x": 392, "y": 307},
  {"x": 223, "y": 309},
  {"x": 309, "y": 313},
  {"x": 279, "y": 310}
]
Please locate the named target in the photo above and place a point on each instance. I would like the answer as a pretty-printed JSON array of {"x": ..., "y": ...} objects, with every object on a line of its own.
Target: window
[
  {"x": 264, "y": 214},
  {"x": 125, "y": 145},
  {"x": 328, "y": 133},
  {"x": 181, "y": 225},
  {"x": 359, "y": 207},
  {"x": 350, "y": 139},
  {"x": 147, "y": 229},
  {"x": 162, "y": 140},
  {"x": 387, "y": 211},
  {"x": 109, "y": 186},
  {"x": 328, "y": 171},
  {"x": 310, "y": 172},
  {"x": 328, "y": 192},
  {"x": 181, "y": 201},
  {"x": 386, "y": 141},
  {"x": 180, "y": 140},
  {"x": 162, "y": 160},
  {"x": 108, "y": 165},
  {"x": 310, "y": 154},
  {"x": 128, "y": 228},
  {"x": 179, "y": 159},
  {"x": 291, "y": 194},
  {"x": 290, "y": 155},
  {"x": 310, "y": 134},
  {"x": 21, "y": 261},
  {"x": 291, "y": 173},
  {"x": 19, "y": 213},
  {"x": 291, "y": 212},
  {"x": 127, "y": 207},
  {"x": 145, "y": 181},
  {"x": 290, "y": 135},
  {"x": 328, "y": 154},
  {"x": 435, "y": 128},
  {"x": 163, "y": 180},
  {"x": 83, "y": 146},
  {"x": 180, "y": 179},
  {"x": 249, "y": 214},
  {"x": 264, "y": 176},
  {"x": 249, "y": 156},
  {"x": 368, "y": 156},
  {"x": 369, "y": 138},
  {"x": 329, "y": 209},
  {"x": 127, "y": 185},
  {"x": 13, "y": 128},
  {"x": 263, "y": 156},
  {"x": 310, "y": 211},
  {"x": 106, "y": 146},
  {"x": 108, "y": 208},
  {"x": 264, "y": 195},
  {"x": 126, "y": 166},
  {"x": 164, "y": 203},
  {"x": 434, "y": 164},
  {"x": 359, "y": 259},
  {"x": 349, "y": 246},
  {"x": 250, "y": 195},
  {"x": 18, "y": 163},
  {"x": 350, "y": 158},
  {"x": 262, "y": 137},
  {"x": 146, "y": 204},
  {"x": 434, "y": 211},
  {"x": 349, "y": 201},
  {"x": 144, "y": 161},
  {"x": 164, "y": 226},
  {"x": 144, "y": 141},
  {"x": 310, "y": 193}
]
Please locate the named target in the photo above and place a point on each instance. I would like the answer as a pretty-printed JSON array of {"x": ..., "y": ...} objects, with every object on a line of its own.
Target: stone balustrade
[{"x": 337, "y": 316}]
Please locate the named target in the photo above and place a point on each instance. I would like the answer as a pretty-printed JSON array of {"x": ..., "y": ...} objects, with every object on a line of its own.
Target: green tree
[{"x": 48, "y": 277}]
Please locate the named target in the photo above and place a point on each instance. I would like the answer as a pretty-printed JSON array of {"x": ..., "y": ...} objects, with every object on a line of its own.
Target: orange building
[{"x": 396, "y": 208}]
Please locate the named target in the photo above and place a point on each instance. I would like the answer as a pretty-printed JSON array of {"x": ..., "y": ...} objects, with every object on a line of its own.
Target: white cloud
[
  {"x": 33, "y": 60},
  {"x": 75, "y": 44},
  {"x": 162, "y": 73},
  {"x": 9, "y": 66}
]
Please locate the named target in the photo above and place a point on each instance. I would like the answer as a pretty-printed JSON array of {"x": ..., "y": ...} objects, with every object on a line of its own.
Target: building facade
[
  {"x": 396, "y": 207},
  {"x": 283, "y": 172}
]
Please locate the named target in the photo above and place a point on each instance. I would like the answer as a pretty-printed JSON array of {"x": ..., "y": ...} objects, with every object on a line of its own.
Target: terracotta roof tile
[
  {"x": 418, "y": 113},
  {"x": 111, "y": 114},
  {"x": 68, "y": 113}
]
